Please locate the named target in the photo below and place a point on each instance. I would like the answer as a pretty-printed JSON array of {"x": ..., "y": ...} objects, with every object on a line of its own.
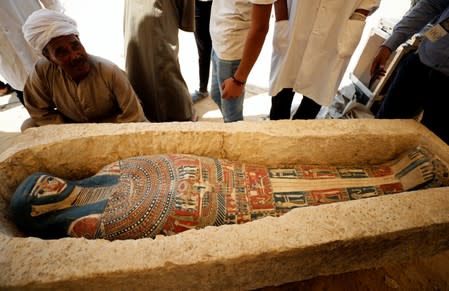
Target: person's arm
[
  {"x": 38, "y": 101},
  {"x": 127, "y": 100},
  {"x": 260, "y": 21},
  {"x": 379, "y": 61},
  {"x": 415, "y": 19},
  {"x": 281, "y": 10}
]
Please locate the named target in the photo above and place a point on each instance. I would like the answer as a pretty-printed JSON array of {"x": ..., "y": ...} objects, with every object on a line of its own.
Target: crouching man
[{"x": 69, "y": 85}]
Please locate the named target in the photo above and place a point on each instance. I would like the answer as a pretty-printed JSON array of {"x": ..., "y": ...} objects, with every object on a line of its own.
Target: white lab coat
[
  {"x": 312, "y": 49},
  {"x": 16, "y": 56}
]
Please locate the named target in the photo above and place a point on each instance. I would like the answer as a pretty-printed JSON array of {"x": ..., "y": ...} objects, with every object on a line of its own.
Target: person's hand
[
  {"x": 379, "y": 61},
  {"x": 231, "y": 88}
]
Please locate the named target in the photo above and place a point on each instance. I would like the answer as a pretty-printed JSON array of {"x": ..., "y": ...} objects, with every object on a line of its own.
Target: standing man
[
  {"x": 229, "y": 26},
  {"x": 421, "y": 81},
  {"x": 151, "y": 61},
  {"x": 311, "y": 49},
  {"x": 204, "y": 46}
]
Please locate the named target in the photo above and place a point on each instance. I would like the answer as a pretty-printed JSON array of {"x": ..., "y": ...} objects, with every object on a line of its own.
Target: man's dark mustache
[{"x": 78, "y": 61}]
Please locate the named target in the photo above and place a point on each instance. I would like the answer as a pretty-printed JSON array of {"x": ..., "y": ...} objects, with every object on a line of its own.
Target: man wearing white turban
[
  {"x": 44, "y": 25},
  {"x": 17, "y": 58},
  {"x": 69, "y": 85}
]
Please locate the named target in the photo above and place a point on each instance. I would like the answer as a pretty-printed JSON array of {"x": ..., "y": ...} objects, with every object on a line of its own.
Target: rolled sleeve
[{"x": 414, "y": 21}]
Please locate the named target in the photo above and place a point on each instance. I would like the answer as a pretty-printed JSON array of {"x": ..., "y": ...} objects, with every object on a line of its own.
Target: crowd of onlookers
[{"x": 44, "y": 61}]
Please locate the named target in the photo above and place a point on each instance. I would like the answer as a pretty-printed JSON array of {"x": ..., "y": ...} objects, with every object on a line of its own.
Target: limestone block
[{"x": 305, "y": 243}]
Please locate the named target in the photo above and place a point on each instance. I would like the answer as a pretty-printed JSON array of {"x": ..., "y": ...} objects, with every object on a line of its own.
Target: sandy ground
[{"x": 100, "y": 24}]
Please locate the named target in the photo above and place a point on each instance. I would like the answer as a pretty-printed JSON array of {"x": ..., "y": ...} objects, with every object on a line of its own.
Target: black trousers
[
  {"x": 281, "y": 105},
  {"x": 203, "y": 41},
  {"x": 416, "y": 87}
]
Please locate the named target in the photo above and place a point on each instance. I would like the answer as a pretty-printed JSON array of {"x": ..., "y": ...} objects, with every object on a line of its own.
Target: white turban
[{"x": 44, "y": 24}]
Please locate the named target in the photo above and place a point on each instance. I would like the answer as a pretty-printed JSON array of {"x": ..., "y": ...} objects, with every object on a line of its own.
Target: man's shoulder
[
  {"x": 104, "y": 69},
  {"x": 43, "y": 63},
  {"x": 103, "y": 65},
  {"x": 97, "y": 61},
  {"x": 43, "y": 68}
]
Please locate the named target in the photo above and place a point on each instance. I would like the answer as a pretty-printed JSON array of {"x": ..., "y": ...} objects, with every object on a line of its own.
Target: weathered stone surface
[{"x": 304, "y": 243}]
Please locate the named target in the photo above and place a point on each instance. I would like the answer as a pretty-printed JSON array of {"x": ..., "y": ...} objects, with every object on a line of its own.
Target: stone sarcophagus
[{"x": 305, "y": 242}]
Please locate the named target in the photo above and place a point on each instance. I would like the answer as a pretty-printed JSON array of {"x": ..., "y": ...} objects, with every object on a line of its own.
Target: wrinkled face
[{"x": 68, "y": 53}]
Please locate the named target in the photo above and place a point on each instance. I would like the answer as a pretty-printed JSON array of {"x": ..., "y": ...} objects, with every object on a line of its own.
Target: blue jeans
[{"x": 232, "y": 109}]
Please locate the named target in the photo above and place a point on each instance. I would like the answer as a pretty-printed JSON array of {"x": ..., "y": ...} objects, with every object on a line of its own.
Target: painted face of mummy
[
  {"x": 48, "y": 186},
  {"x": 48, "y": 205}
]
